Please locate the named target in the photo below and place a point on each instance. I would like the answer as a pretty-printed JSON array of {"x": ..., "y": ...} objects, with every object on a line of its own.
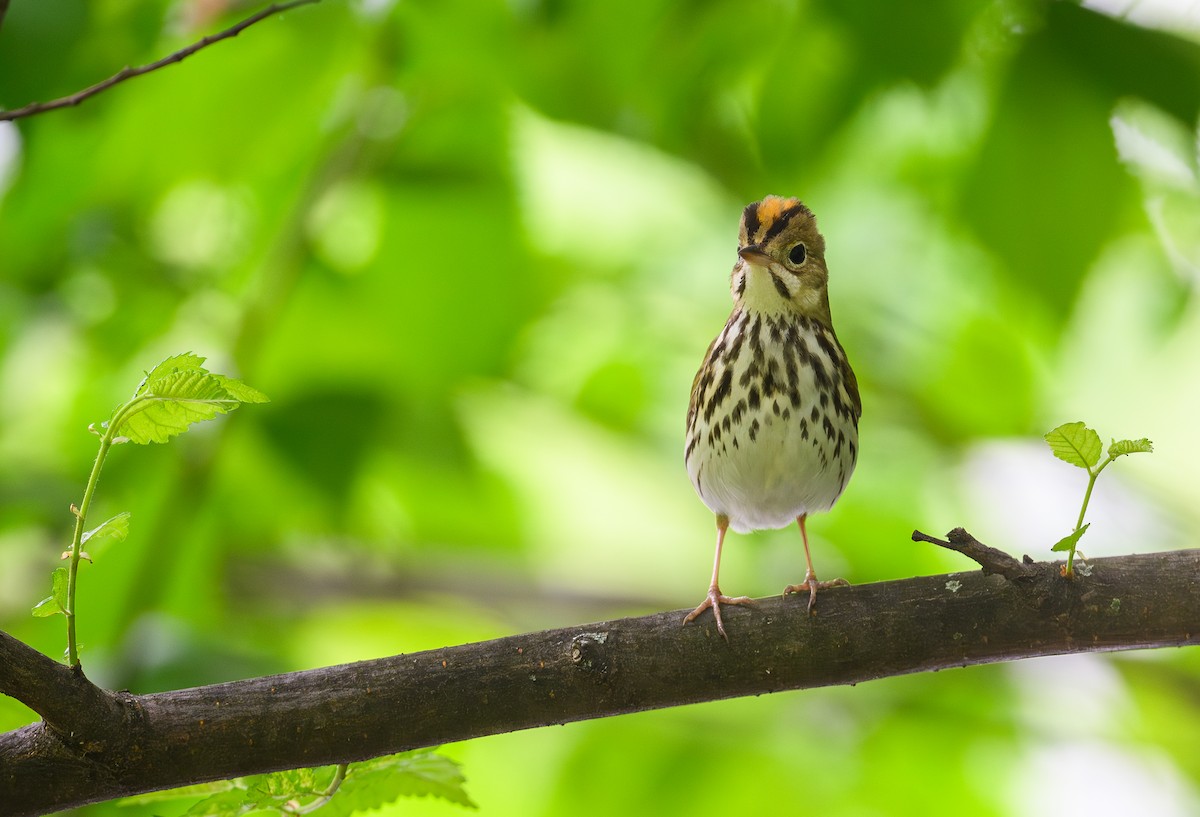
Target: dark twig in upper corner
[
  {"x": 3, "y": 10},
  {"x": 989, "y": 558},
  {"x": 129, "y": 73}
]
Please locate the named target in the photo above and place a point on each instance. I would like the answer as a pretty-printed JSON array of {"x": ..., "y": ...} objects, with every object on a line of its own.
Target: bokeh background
[{"x": 474, "y": 252}]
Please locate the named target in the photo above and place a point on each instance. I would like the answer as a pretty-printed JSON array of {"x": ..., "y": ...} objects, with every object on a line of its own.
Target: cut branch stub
[{"x": 989, "y": 558}]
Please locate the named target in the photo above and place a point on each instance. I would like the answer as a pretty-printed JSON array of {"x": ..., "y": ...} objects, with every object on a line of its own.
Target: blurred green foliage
[{"x": 474, "y": 252}]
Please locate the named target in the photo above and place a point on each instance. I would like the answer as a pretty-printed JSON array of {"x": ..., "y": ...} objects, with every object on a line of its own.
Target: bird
[{"x": 772, "y": 423}]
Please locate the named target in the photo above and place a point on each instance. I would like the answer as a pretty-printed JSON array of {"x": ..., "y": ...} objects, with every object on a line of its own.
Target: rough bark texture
[{"x": 96, "y": 745}]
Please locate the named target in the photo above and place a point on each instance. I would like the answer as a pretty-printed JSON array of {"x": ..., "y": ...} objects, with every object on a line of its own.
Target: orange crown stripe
[{"x": 772, "y": 207}]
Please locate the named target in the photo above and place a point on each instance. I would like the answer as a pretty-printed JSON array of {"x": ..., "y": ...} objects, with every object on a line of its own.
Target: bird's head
[{"x": 781, "y": 260}]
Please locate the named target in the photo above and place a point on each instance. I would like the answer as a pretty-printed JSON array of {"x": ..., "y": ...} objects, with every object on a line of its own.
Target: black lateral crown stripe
[
  {"x": 750, "y": 217},
  {"x": 780, "y": 223}
]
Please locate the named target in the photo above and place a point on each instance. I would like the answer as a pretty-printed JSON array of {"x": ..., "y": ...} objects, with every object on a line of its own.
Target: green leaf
[
  {"x": 1120, "y": 448},
  {"x": 1069, "y": 542},
  {"x": 375, "y": 783},
  {"x": 368, "y": 785},
  {"x": 56, "y": 602},
  {"x": 47, "y": 607},
  {"x": 176, "y": 363},
  {"x": 279, "y": 787},
  {"x": 223, "y": 804},
  {"x": 111, "y": 530},
  {"x": 274, "y": 793},
  {"x": 1075, "y": 443},
  {"x": 240, "y": 391},
  {"x": 175, "y": 394}
]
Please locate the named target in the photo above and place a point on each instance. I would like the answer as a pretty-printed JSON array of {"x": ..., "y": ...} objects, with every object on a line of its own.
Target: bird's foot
[
  {"x": 714, "y": 601},
  {"x": 811, "y": 584}
]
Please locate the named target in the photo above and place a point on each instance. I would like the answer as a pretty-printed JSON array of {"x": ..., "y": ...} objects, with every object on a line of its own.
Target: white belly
[{"x": 768, "y": 483}]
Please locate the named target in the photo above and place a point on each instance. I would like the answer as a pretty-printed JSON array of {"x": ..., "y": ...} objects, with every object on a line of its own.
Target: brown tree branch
[
  {"x": 66, "y": 700},
  {"x": 129, "y": 73},
  {"x": 141, "y": 743}
]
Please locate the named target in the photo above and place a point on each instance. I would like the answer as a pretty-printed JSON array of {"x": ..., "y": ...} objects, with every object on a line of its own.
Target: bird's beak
[{"x": 755, "y": 255}]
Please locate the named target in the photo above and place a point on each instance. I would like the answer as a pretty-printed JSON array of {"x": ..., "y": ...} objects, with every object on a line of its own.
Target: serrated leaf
[
  {"x": 1070, "y": 541},
  {"x": 368, "y": 785},
  {"x": 377, "y": 782},
  {"x": 1075, "y": 443},
  {"x": 282, "y": 786},
  {"x": 176, "y": 363},
  {"x": 1120, "y": 448},
  {"x": 56, "y": 602},
  {"x": 172, "y": 404},
  {"x": 275, "y": 793},
  {"x": 175, "y": 394},
  {"x": 223, "y": 804},
  {"x": 240, "y": 391}
]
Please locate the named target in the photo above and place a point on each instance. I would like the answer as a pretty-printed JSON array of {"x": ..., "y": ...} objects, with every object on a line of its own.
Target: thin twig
[
  {"x": 989, "y": 558},
  {"x": 3, "y": 10},
  {"x": 129, "y": 73}
]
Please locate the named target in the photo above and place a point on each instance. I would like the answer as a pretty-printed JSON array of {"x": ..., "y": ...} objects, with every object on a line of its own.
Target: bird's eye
[{"x": 798, "y": 254}]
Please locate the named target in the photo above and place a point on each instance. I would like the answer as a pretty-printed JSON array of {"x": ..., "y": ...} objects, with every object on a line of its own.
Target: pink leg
[
  {"x": 714, "y": 599},
  {"x": 810, "y": 582}
]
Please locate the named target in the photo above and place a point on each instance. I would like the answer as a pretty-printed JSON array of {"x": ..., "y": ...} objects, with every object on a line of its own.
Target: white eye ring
[{"x": 797, "y": 254}]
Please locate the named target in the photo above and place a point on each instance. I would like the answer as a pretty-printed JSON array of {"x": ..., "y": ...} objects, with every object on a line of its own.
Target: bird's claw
[
  {"x": 713, "y": 601},
  {"x": 811, "y": 584}
]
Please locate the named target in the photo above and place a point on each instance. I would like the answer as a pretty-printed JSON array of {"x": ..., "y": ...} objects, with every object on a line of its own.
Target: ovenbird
[{"x": 772, "y": 425}]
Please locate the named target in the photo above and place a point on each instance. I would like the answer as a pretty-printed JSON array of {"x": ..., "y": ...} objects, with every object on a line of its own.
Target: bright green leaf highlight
[
  {"x": 181, "y": 362},
  {"x": 229, "y": 802},
  {"x": 56, "y": 602},
  {"x": 1075, "y": 443},
  {"x": 266, "y": 788},
  {"x": 272, "y": 793},
  {"x": 378, "y": 782},
  {"x": 114, "y": 529},
  {"x": 1070, "y": 541},
  {"x": 175, "y": 394},
  {"x": 1122, "y": 447},
  {"x": 368, "y": 785},
  {"x": 47, "y": 607}
]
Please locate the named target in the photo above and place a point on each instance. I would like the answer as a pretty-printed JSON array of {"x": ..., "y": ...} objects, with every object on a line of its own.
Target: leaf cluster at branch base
[
  {"x": 368, "y": 785},
  {"x": 1080, "y": 446}
]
